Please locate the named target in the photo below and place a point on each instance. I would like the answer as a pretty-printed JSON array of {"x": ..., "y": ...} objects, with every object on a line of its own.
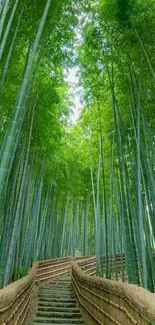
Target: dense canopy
[{"x": 89, "y": 183}]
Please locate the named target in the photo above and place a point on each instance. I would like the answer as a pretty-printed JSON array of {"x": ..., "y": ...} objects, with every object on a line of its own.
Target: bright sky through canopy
[{"x": 75, "y": 92}]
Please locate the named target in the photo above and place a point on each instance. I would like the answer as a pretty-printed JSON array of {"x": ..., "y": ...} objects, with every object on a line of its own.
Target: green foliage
[
  {"x": 89, "y": 185},
  {"x": 23, "y": 271}
]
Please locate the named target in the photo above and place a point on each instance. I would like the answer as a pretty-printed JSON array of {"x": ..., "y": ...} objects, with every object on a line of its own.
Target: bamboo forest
[{"x": 77, "y": 136}]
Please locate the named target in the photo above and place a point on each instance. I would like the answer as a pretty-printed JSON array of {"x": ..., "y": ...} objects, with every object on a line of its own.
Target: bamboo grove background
[{"x": 91, "y": 184}]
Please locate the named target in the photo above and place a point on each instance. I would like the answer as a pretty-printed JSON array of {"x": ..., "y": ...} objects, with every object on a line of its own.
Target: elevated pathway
[
  {"x": 48, "y": 295},
  {"x": 57, "y": 304}
]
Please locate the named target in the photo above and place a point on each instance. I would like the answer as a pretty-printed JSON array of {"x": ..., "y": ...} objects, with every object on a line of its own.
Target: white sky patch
[{"x": 75, "y": 93}]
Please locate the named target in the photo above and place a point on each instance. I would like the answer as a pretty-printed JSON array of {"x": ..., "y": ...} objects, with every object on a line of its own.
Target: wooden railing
[
  {"x": 104, "y": 302},
  {"x": 108, "y": 302},
  {"x": 18, "y": 300},
  {"x": 88, "y": 265},
  {"x": 50, "y": 269}
]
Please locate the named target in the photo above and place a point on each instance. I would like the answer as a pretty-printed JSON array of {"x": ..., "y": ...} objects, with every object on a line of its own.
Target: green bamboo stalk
[
  {"x": 1, "y": 6},
  {"x": 9, "y": 214},
  {"x": 145, "y": 53},
  {"x": 20, "y": 234},
  {"x": 42, "y": 227},
  {"x": 3, "y": 16},
  {"x": 32, "y": 225},
  {"x": 128, "y": 241},
  {"x": 27, "y": 215},
  {"x": 140, "y": 212},
  {"x": 16, "y": 229},
  {"x": 96, "y": 203},
  {"x": 4, "y": 40},
  {"x": 121, "y": 228},
  {"x": 64, "y": 227},
  {"x": 85, "y": 237},
  {"x": 111, "y": 212},
  {"x": 11, "y": 50},
  {"x": 10, "y": 140},
  {"x": 80, "y": 226},
  {"x": 73, "y": 228},
  {"x": 105, "y": 217},
  {"x": 114, "y": 247},
  {"x": 52, "y": 224},
  {"x": 132, "y": 226}
]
